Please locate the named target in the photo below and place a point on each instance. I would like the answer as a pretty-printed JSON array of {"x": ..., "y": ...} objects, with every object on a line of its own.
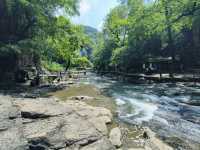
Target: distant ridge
[{"x": 91, "y": 32}]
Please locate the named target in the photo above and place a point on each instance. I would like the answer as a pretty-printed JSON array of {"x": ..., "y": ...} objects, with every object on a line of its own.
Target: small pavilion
[{"x": 159, "y": 65}]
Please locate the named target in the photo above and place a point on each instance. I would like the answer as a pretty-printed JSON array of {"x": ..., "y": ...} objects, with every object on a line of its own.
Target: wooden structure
[
  {"x": 131, "y": 77},
  {"x": 157, "y": 65}
]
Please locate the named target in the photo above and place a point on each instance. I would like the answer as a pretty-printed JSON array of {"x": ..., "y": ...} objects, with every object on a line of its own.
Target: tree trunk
[{"x": 169, "y": 34}]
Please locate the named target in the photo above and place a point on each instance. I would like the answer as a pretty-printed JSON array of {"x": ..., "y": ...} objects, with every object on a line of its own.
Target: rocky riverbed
[{"x": 76, "y": 123}]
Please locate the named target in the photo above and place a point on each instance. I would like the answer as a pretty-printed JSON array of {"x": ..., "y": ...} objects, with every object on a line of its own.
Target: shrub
[
  {"x": 82, "y": 62},
  {"x": 52, "y": 66}
]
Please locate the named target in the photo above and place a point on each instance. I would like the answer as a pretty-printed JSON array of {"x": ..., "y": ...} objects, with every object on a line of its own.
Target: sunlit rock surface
[{"x": 48, "y": 124}]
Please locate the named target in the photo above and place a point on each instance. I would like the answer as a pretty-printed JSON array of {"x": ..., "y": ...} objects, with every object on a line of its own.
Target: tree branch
[{"x": 187, "y": 13}]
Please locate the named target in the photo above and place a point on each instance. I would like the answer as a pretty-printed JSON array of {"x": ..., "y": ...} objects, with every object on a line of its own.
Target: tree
[
  {"x": 19, "y": 18},
  {"x": 161, "y": 28},
  {"x": 40, "y": 27}
]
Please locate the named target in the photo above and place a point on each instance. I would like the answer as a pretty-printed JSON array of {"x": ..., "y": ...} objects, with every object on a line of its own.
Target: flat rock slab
[
  {"x": 103, "y": 144},
  {"x": 45, "y": 123},
  {"x": 41, "y": 108},
  {"x": 11, "y": 127}
]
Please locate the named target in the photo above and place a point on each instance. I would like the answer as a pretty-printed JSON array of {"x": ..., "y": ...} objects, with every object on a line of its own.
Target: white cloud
[
  {"x": 84, "y": 7},
  {"x": 93, "y": 12}
]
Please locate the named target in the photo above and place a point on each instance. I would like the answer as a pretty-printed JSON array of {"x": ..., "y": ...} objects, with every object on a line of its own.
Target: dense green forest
[
  {"x": 34, "y": 34},
  {"x": 137, "y": 30}
]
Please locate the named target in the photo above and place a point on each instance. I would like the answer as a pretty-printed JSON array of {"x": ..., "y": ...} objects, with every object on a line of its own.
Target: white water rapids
[{"x": 171, "y": 110}]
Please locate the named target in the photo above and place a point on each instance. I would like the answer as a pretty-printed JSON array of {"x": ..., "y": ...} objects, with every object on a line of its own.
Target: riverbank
[
  {"x": 157, "y": 78},
  {"x": 134, "y": 136},
  {"x": 78, "y": 121}
]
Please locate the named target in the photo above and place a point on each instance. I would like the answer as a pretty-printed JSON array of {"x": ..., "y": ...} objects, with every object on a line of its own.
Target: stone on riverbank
[
  {"x": 153, "y": 142},
  {"x": 115, "y": 137},
  {"x": 81, "y": 98},
  {"x": 103, "y": 144},
  {"x": 48, "y": 123}
]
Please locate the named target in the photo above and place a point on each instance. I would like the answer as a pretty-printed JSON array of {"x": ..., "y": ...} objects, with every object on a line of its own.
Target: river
[{"x": 171, "y": 110}]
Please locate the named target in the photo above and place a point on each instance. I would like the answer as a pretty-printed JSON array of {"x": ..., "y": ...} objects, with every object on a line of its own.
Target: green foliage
[
  {"x": 21, "y": 54},
  {"x": 81, "y": 62},
  {"x": 65, "y": 43},
  {"x": 101, "y": 54},
  {"x": 116, "y": 25},
  {"x": 32, "y": 26},
  {"x": 52, "y": 66},
  {"x": 118, "y": 56},
  {"x": 22, "y": 19},
  {"x": 132, "y": 31},
  {"x": 136, "y": 29}
]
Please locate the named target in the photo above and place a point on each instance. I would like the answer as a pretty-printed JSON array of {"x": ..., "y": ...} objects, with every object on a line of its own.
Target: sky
[{"x": 93, "y": 12}]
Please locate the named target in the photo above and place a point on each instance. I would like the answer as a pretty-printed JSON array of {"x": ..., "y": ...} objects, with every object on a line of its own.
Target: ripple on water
[
  {"x": 143, "y": 111},
  {"x": 164, "y": 107}
]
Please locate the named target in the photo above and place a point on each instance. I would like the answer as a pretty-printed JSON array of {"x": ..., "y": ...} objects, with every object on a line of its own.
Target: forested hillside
[
  {"x": 136, "y": 31},
  {"x": 90, "y": 31},
  {"x": 92, "y": 34}
]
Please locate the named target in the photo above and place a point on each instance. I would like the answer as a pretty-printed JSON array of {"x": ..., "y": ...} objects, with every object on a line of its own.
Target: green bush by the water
[
  {"x": 52, "y": 66},
  {"x": 82, "y": 62}
]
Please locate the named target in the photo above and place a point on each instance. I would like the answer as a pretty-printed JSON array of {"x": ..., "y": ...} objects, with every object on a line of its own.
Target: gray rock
[
  {"x": 115, "y": 137},
  {"x": 11, "y": 133},
  {"x": 41, "y": 108},
  {"x": 45, "y": 123},
  {"x": 98, "y": 116},
  {"x": 12, "y": 139},
  {"x": 60, "y": 132},
  {"x": 103, "y": 144},
  {"x": 81, "y": 98}
]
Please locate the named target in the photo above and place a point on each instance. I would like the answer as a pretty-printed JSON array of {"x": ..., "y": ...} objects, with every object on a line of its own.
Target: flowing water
[{"x": 171, "y": 110}]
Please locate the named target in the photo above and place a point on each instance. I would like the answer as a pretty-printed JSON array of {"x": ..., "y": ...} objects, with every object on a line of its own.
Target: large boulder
[
  {"x": 59, "y": 132},
  {"x": 48, "y": 124},
  {"x": 97, "y": 116}
]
